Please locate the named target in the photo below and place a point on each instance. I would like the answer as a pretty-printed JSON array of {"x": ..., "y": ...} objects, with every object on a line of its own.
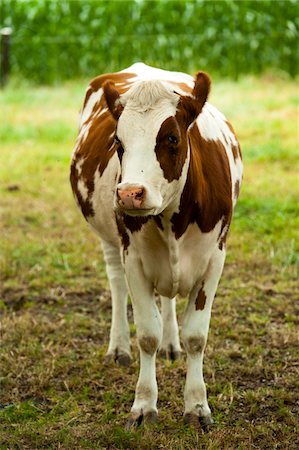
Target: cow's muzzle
[{"x": 132, "y": 197}]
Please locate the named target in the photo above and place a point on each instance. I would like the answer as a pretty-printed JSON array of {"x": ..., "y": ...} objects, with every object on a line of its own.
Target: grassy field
[{"x": 57, "y": 391}]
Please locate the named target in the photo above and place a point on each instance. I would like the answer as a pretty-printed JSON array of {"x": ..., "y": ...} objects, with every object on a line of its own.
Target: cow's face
[{"x": 152, "y": 142}]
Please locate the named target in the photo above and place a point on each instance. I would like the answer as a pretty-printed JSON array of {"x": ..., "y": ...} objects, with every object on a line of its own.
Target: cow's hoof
[
  {"x": 136, "y": 419},
  {"x": 198, "y": 422},
  {"x": 123, "y": 359},
  {"x": 170, "y": 353}
]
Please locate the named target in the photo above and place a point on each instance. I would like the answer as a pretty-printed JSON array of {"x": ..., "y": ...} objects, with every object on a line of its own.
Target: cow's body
[{"x": 161, "y": 196}]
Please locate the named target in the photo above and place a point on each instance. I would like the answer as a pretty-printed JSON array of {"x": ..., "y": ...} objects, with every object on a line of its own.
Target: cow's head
[{"x": 152, "y": 142}]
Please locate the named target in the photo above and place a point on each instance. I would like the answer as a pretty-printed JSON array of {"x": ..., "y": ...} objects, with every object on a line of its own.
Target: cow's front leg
[
  {"x": 149, "y": 333},
  {"x": 119, "y": 344},
  {"x": 170, "y": 346},
  {"x": 194, "y": 333}
]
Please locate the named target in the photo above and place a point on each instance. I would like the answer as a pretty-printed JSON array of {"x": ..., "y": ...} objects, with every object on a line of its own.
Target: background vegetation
[{"x": 54, "y": 40}]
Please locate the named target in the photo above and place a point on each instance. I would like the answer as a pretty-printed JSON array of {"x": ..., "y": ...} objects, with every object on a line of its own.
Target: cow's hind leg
[
  {"x": 194, "y": 334},
  {"x": 170, "y": 346},
  {"x": 119, "y": 344}
]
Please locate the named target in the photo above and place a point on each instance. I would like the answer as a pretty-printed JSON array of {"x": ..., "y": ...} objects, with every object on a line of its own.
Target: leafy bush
[{"x": 54, "y": 40}]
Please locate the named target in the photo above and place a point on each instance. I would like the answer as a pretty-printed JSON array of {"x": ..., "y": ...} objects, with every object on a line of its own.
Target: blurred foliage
[{"x": 54, "y": 40}]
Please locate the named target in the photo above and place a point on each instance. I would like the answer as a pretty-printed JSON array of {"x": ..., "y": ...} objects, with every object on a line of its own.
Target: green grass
[{"x": 56, "y": 387}]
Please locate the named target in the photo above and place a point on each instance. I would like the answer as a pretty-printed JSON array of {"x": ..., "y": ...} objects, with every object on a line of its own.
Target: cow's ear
[
  {"x": 194, "y": 103},
  {"x": 112, "y": 99}
]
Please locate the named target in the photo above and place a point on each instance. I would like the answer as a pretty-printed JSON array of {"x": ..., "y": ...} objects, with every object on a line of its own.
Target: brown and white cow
[{"x": 156, "y": 171}]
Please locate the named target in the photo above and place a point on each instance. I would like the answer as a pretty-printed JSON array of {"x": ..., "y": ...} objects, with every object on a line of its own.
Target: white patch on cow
[
  {"x": 196, "y": 249},
  {"x": 236, "y": 170},
  {"x": 85, "y": 127},
  {"x": 145, "y": 95},
  {"x": 103, "y": 222},
  {"x": 100, "y": 113},
  {"x": 224, "y": 231},
  {"x": 75, "y": 148},
  {"x": 239, "y": 170},
  {"x": 185, "y": 259},
  {"x": 84, "y": 132},
  {"x": 146, "y": 106},
  {"x": 93, "y": 99},
  {"x": 144, "y": 72},
  {"x": 212, "y": 125},
  {"x": 111, "y": 137},
  {"x": 82, "y": 189},
  {"x": 79, "y": 165}
]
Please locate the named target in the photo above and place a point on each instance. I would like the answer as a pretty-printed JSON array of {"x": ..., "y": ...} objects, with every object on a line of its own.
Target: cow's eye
[
  {"x": 117, "y": 141},
  {"x": 172, "y": 139}
]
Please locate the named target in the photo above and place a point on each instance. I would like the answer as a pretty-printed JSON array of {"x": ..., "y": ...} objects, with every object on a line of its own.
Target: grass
[{"x": 56, "y": 390}]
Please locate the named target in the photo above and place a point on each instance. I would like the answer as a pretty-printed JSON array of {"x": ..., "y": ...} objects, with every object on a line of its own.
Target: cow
[{"x": 156, "y": 171}]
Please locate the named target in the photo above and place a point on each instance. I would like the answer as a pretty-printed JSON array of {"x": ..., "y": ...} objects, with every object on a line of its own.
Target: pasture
[{"x": 57, "y": 390}]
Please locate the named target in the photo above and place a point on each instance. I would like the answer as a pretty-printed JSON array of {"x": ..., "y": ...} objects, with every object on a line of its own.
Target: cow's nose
[{"x": 131, "y": 198}]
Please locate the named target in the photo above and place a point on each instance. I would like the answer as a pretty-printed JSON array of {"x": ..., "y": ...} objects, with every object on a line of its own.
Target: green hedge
[{"x": 54, "y": 40}]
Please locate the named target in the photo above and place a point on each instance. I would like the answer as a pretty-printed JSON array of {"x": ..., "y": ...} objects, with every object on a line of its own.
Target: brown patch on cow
[
  {"x": 122, "y": 231},
  {"x": 185, "y": 87},
  {"x": 171, "y": 148},
  {"x": 158, "y": 221},
  {"x": 237, "y": 189},
  {"x": 112, "y": 97},
  {"x": 120, "y": 152},
  {"x": 85, "y": 205},
  {"x": 207, "y": 194},
  {"x": 223, "y": 232},
  {"x": 182, "y": 87},
  {"x": 200, "y": 299},
  {"x": 222, "y": 241},
  {"x": 143, "y": 392},
  {"x": 148, "y": 344},
  {"x": 195, "y": 344},
  {"x": 236, "y": 149},
  {"x": 134, "y": 223},
  {"x": 95, "y": 152},
  {"x": 120, "y": 79}
]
